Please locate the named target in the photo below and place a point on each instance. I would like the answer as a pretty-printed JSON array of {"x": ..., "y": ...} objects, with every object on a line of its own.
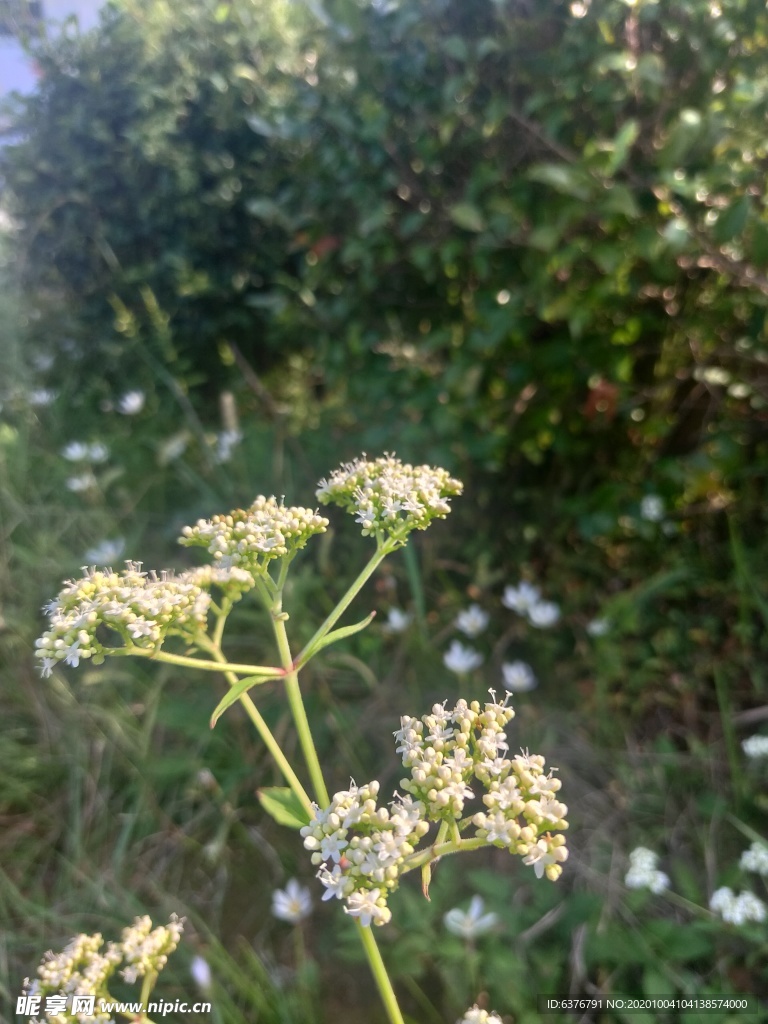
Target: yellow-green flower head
[
  {"x": 251, "y": 538},
  {"x": 389, "y": 497},
  {"x": 105, "y": 610}
]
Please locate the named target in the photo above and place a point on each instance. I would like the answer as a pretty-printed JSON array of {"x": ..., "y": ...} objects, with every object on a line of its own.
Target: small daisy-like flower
[
  {"x": 397, "y": 621},
  {"x": 82, "y": 482},
  {"x": 75, "y": 451},
  {"x": 652, "y": 508},
  {"x": 643, "y": 874},
  {"x": 472, "y": 621},
  {"x": 518, "y": 676},
  {"x": 598, "y": 627},
  {"x": 131, "y": 403},
  {"x": 755, "y": 859},
  {"x": 469, "y": 924},
  {"x": 543, "y": 614},
  {"x": 755, "y": 746},
  {"x": 521, "y": 598},
  {"x": 368, "y": 906},
  {"x": 461, "y": 659},
  {"x": 292, "y": 904}
]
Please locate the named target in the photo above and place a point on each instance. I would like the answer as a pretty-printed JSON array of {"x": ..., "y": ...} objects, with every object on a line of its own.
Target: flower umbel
[
  {"x": 251, "y": 538},
  {"x": 390, "y": 498},
  {"x": 643, "y": 874}
]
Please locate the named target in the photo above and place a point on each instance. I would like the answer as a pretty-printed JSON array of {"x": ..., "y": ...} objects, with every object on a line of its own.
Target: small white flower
[
  {"x": 131, "y": 403},
  {"x": 475, "y": 1015},
  {"x": 75, "y": 451},
  {"x": 363, "y": 904},
  {"x": 642, "y": 873},
  {"x": 543, "y": 614},
  {"x": 397, "y": 621},
  {"x": 226, "y": 441},
  {"x": 755, "y": 746},
  {"x": 98, "y": 452},
  {"x": 652, "y": 508},
  {"x": 471, "y": 923},
  {"x": 106, "y": 552},
  {"x": 521, "y": 598},
  {"x": 472, "y": 621},
  {"x": 739, "y": 909},
  {"x": 82, "y": 482},
  {"x": 755, "y": 859},
  {"x": 461, "y": 659},
  {"x": 293, "y": 903},
  {"x": 201, "y": 973},
  {"x": 518, "y": 677},
  {"x": 598, "y": 627},
  {"x": 41, "y": 396}
]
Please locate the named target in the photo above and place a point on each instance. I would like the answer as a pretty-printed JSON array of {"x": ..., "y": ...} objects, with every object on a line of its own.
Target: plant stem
[
  {"x": 297, "y": 708},
  {"x": 380, "y": 975},
  {"x": 358, "y": 584},
  {"x": 266, "y": 734},
  {"x": 267, "y": 671},
  {"x": 418, "y": 860}
]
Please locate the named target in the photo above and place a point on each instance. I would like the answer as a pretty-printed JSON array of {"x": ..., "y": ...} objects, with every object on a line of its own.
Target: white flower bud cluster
[
  {"x": 643, "y": 872},
  {"x": 251, "y": 538},
  {"x": 360, "y": 846},
  {"x": 146, "y": 950},
  {"x": 105, "y": 609},
  {"x": 477, "y": 1016},
  {"x": 389, "y": 497},
  {"x": 83, "y": 968},
  {"x": 447, "y": 751},
  {"x": 738, "y": 910}
]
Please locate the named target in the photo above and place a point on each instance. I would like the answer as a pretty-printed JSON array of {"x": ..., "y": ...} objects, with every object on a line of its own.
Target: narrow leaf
[
  {"x": 332, "y": 637},
  {"x": 283, "y": 805},
  {"x": 236, "y": 692}
]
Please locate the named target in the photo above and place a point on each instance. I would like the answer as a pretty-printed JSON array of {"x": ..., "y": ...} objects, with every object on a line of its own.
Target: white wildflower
[
  {"x": 471, "y": 923},
  {"x": 518, "y": 676},
  {"x": 472, "y": 621},
  {"x": 643, "y": 874},
  {"x": 82, "y": 482},
  {"x": 598, "y": 627},
  {"x": 475, "y": 1015},
  {"x": 521, "y": 598},
  {"x": 200, "y": 970},
  {"x": 106, "y": 552},
  {"x": 738, "y": 910},
  {"x": 755, "y": 746},
  {"x": 544, "y": 614},
  {"x": 397, "y": 621},
  {"x": 293, "y": 903},
  {"x": 461, "y": 659},
  {"x": 131, "y": 403},
  {"x": 652, "y": 508},
  {"x": 755, "y": 859}
]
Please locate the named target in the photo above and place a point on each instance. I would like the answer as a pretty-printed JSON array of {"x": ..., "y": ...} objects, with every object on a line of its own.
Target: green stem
[
  {"x": 266, "y": 734},
  {"x": 207, "y": 666},
  {"x": 418, "y": 860},
  {"x": 380, "y": 975},
  {"x": 298, "y": 710},
  {"x": 376, "y": 560}
]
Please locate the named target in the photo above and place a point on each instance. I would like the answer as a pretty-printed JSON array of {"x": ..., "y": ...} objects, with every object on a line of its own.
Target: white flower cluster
[
  {"x": 105, "y": 609},
  {"x": 389, "y": 497},
  {"x": 83, "y": 967},
  {"x": 146, "y": 949},
  {"x": 755, "y": 859},
  {"x": 475, "y": 1015},
  {"x": 735, "y": 909},
  {"x": 755, "y": 746},
  {"x": 81, "y": 451},
  {"x": 643, "y": 873},
  {"x": 251, "y": 538},
  {"x": 360, "y": 847},
  {"x": 446, "y": 751},
  {"x": 525, "y": 599}
]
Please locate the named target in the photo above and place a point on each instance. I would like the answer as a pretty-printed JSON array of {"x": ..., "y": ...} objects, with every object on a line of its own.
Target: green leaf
[
  {"x": 731, "y": 222},
  {"x": 284, "y": 806},
  {"x": 622, "y": 145},
  {"x": 332, "y": 638},
  {"x": 236, "y": 692},
  {"x": 568, "y": 180},
  {"x": 466, "y": 216}
]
